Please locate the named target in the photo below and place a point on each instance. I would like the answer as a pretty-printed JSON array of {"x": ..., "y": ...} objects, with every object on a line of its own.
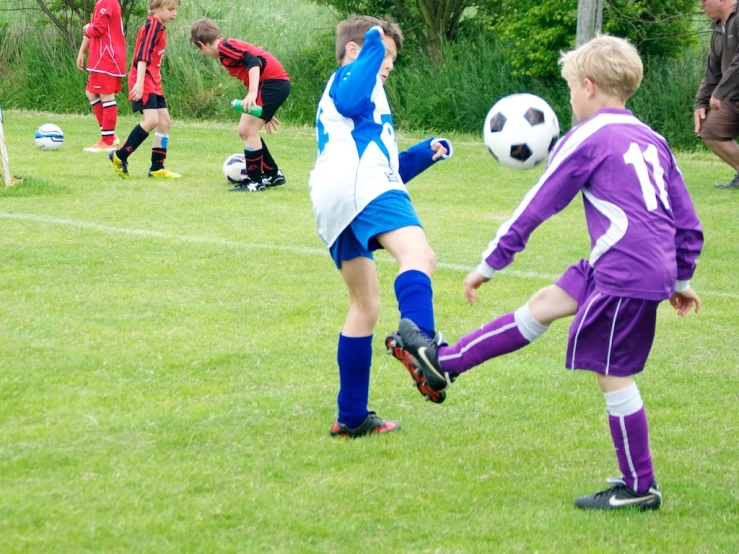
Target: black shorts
[
  {"x": 272, "y": 94},
  {"x": 149, "y": 102}
]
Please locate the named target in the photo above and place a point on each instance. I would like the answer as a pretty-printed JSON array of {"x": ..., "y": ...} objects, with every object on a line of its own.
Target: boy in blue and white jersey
[{"x": 361, "y": 204}]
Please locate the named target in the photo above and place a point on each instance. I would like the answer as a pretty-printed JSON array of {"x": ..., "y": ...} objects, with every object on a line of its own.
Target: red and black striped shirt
[
  {"x": 238, "y": 57},
  {"x": 150, "y": 44}
]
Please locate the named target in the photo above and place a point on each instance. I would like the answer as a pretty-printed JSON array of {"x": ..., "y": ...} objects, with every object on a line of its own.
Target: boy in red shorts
[
  {"x": 269, "y": 87},
  {"x": 106, "y": 62}
]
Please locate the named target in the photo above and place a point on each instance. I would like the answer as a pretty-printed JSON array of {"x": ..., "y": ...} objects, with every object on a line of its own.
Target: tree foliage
[
  {"x": 429, "y": 24},
  {"x": 69, "y": 16},
  {"x": 536, "y": 32}
]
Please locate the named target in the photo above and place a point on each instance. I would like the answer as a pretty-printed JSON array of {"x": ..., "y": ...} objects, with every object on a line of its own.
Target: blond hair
[
  {"x": 612, "y": 63},
  {"x": 204, "y": 31},
  {"x": 353, "y": 29},
  {"x": 155, "y": 5}
]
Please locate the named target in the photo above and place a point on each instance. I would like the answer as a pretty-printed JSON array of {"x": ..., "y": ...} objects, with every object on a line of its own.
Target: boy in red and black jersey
[
  {"x": 269, "y": 87},
  {"x": 146, "y": 94},
  {"x": 106, "y": 62}
]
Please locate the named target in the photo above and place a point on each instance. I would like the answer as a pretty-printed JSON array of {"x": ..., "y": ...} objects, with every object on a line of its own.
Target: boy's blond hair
[
  {"x": 204, "y": 31},
  {"x": 353, "y": 29},
  {"x": 155, "y": 5},
  {"x": 612, "y": 63}
]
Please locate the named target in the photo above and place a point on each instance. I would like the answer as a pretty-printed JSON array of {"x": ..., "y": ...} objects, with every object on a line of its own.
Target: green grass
[{"x": 168, "y": 372}]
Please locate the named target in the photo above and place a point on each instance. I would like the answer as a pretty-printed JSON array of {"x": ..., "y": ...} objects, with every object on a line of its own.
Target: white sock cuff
[
  {"x": 160, "y": 135},
  {"x": 529, "y": 327},
  {"x": 624, "y": 402}
]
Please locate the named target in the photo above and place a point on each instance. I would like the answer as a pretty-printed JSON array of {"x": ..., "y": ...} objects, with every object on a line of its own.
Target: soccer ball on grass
[
  {"x": 49, "y": 137},
  {"x": 234, "y": 168},
  {"x": 521, "y": 130}
]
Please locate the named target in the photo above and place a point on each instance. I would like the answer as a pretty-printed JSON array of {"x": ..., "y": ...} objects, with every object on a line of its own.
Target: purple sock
[
  {"x": 498, "y": 337},
  {"x": 631, "y": 438}
]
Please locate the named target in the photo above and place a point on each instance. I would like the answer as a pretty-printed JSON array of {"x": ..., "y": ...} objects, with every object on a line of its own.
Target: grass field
[{"x": 168, "y": 377}]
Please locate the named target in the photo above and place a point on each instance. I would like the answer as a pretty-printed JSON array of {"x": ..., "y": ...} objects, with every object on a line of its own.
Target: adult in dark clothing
[{"x": 719, "y": 90}]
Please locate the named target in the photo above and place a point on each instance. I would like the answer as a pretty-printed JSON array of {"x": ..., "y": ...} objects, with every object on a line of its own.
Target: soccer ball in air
[
  {"x": 49, "y": 137},
  {"x": 234, "y": 168},
  {"x": 521, "y": 130}
]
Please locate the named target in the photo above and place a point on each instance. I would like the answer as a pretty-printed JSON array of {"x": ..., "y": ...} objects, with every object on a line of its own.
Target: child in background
[
  {"x": 268, "y": 86},
  {"x": 645, "y": 238},
  {"x": 146, "y": 94},
  {"x": 361, "y": 204},
  {"x": 106, "y": 62}
]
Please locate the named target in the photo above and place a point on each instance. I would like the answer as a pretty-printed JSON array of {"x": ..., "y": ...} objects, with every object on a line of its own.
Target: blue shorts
[{"x": 389, "y": 211}]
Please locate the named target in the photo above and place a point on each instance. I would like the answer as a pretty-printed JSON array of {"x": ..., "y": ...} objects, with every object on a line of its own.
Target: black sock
[
  {"x": 134, "y": 140},
  {"x": 253, "y": 164},
  {"x": 158, "y": 155},
  {"x": 269, "y": 167}
]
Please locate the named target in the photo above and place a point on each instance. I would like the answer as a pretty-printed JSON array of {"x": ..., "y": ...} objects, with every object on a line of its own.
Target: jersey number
[{"x": 634, "y": 156}]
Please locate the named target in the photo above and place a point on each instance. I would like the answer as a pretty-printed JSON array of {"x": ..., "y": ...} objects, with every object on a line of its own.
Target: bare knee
[
  {"x": 551, "y": 303},
  {"x": 366, "y": 310}
]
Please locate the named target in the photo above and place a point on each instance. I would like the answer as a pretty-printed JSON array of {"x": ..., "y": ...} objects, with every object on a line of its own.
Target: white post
[
  {"x": 589, "y": 20},
  {"x": 4, "y": 161}
]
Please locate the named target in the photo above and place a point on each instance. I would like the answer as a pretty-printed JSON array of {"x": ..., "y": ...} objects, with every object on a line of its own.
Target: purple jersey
[{"x": 643, "y": 228}]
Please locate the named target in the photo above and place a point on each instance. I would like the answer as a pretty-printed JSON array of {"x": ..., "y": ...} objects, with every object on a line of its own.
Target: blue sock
[
  {"x": 355, "y": 358},
  {"x": 415, "y": 299}
]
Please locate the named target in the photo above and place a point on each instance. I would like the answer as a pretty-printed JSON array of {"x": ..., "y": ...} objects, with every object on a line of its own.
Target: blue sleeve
[
  {"x": 417, "y": 158},
  {"x": 354, "y": 83}
]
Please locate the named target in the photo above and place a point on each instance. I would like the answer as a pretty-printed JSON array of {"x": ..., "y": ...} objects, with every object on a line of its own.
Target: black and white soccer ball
[
  {"x": 49, "y": 137},
  {"x": 234, "y": 168},
  {"x": 521, "y": 130}
]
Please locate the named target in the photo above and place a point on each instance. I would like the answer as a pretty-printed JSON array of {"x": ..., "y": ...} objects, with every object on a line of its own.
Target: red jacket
[
  {"x": 107, "y": 52},
  {"x": 150, "y": 44}
]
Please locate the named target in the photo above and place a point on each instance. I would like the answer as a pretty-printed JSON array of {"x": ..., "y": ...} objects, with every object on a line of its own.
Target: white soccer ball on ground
[
  {"x": 234, "y": 168},
  {"x": 521, "y": 130},
  {"x": 49, "y": 137}
]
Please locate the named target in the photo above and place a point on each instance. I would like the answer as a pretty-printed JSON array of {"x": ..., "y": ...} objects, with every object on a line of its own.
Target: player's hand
[
  {"x": 684, "y": 301},
  {"x": 699, "y": 115},
  {"x": 471, "y": 283},
  {"x": 84, "y": 29},
  {"x": 81, "y": 61},
  {"x": 714, "y": 103},
  {"x": 136, "y": 92},
  {"x": 379, "y": 29},
  {"x": 249, "y": 102},
  {"x": 271, "y": 125},
  {"x": 439, "y": 151}
]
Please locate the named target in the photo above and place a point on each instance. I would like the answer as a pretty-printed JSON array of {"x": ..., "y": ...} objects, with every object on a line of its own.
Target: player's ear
[
  {"x": 352, "y": 50},
  {"x": 590, "y": 87}
]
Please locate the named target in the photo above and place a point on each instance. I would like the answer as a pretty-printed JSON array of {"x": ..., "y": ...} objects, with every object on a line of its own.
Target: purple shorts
[{"x": 611, "y": 335}]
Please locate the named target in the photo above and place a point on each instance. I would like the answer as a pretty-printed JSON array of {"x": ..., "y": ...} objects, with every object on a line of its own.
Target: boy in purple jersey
[{"x": 645, "y": 240}]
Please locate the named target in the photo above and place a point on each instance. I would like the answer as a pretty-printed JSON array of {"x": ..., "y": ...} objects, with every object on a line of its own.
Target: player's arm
[
  {"x": 137, "y": 90},
  {"x": 250, "y": 100},
  {"x": 352, "y": 88},
  {"x": 688, "y": 241},
  {"x": 567, "y": 172},
  {"x": 421, "y": 156},
  {"x": 81, "y": 54},
  {"x": 100, "y": 22}
]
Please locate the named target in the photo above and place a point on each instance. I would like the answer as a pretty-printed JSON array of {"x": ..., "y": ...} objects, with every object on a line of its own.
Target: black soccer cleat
[
  {"x": 248, "y": 186},
  {"x": 274, "y": 180},
  {"x": 424, "y": 349},
  {"x": 622, "y": 497},
  {"x": 372, "y": 425},
  {"x": 394, "y": 346}
]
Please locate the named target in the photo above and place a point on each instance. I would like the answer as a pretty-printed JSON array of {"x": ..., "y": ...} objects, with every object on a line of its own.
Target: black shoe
[
  {"x": 424, "y": 349},
  {"x": 733, "y": 184},
  {"x": 372, "y": 425},
  {"x": 394, "y": 345},
  {"x": 274, "y": 180},
  {"x": 248, "y": 186},
  {"x": 620, "y": 497}
]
